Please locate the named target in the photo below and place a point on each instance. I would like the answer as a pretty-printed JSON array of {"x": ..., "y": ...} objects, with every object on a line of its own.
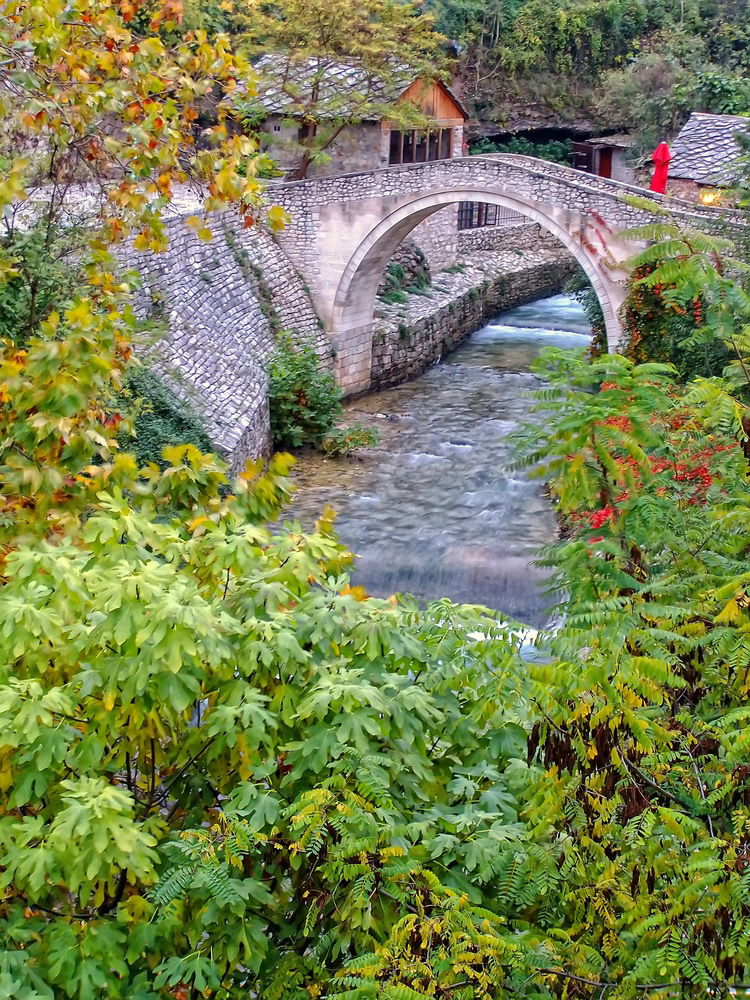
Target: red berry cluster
[{"x": 597, "y": 518}]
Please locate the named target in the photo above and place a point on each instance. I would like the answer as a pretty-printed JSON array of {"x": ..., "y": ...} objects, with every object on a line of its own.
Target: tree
[
  {"x": 328, "y": 66},
  {"x": 642, "y": 728},
  {"x": 224, "y": 770}
]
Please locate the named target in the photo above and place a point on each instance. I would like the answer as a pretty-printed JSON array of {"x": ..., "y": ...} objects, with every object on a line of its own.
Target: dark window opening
[{"x": 415, "y": 146}]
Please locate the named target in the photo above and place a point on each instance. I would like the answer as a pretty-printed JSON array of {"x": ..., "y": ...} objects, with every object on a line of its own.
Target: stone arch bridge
[{"x": 344, "y": 229}]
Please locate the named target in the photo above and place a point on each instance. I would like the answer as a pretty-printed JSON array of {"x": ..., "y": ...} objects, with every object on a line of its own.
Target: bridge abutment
[{"x": 352, "y": 362}]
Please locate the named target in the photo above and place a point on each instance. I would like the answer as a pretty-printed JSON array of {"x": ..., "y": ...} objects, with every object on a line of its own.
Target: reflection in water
[{"x": 435, "y": 511}]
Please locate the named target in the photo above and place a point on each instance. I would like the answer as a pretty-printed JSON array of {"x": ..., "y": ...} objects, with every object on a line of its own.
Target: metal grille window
[
  {"x": 415, "y": 146},
  {"x": 476, "y": 215}
]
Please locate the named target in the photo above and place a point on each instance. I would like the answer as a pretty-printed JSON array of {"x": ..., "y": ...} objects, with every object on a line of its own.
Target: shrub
[
  {"x": 342, "y": 441},
  {"x": 392, "y": 298},
  {"x": 160, "y": 419},
  {"x": 556, "y": 151},
  {"x": 45, "y": 277},
  {"x": 658, "y": 327},
  {"x": 303, "y": 397}
]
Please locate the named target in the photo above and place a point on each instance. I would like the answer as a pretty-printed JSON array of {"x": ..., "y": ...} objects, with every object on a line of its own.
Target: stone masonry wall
[
  {"x": 357, "y": 147},
  {"x": 222, "y": 302},
  {"x": 437, "y": 237},
  {"x": 410, "y": 338},
  {"x": 524, "y": 236}
]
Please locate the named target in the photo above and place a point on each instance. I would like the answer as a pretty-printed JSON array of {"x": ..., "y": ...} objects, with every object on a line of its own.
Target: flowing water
[{"x": 436, "y": 510}]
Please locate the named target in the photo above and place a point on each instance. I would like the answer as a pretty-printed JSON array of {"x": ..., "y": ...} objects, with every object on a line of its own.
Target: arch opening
[{"x": 354, "y": 301}]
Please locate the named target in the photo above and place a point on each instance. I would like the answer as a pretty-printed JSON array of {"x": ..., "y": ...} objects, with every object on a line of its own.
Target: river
[{"x": 436, "y": 511}]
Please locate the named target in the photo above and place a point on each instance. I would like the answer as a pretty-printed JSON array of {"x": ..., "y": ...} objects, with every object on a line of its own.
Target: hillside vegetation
[{"x": 633, "y": 64}]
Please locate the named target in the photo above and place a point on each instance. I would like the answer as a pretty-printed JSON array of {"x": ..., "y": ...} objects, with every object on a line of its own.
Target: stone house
[
  {"x": 352, "y": 106},
  {"x": 705, "y": 157}
]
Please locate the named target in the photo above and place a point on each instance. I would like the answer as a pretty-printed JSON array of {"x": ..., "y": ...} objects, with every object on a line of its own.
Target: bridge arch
[{"x": 354, "y": 301}]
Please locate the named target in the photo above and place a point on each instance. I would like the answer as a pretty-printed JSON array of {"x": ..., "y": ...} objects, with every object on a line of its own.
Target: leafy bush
[
  {"x": 394, "y": 297},
  {"x": 556, "y": 150},
  {"x": 661, "y": 327},
  {"x": 342, "y": 441},
  {"x": 45, "y": 278},
  {"x": 643, "y": 724},
  {"x": 160, "y": 420},
  {"x": 303, "y": 397}
]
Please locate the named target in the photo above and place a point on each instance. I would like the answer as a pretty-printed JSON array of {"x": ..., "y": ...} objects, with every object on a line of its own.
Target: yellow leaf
[
  {"x": 277, "y": 217},
  {"x": 729, "y": 614}
]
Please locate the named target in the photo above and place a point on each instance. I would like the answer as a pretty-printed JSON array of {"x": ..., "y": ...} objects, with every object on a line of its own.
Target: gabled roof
[
  {"x": 284, "y": 84},
  {"x": 706, "y": 150}
]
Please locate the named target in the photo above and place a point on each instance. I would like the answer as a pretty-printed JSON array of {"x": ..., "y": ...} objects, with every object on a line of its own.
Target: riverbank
[{"x": 486, "y": 280}]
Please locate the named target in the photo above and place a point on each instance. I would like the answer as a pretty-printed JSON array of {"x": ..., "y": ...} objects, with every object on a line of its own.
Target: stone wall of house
[
  {"x": 365, "y": 146},
  {"x": 408, "y": 339},
  {"x": 679, "y": 188},
  {"x": 622, "y": 168},
  {"x": 220, "y": 304},
  {"x": 357, "y": 147}
]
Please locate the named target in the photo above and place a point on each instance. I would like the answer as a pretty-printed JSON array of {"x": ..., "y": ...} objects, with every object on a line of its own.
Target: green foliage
[
  {"x": 660, "y": 328},
  {"x": 226, "y": 772},
  {"x": 159, "y": 418},
  {"x": 223, "y": 767},
  {"x": 343, "y": 441},
  {"x": 45, "y": 278},
  {"x": 687, "y": 306},
  {"x": 627, "y": 64},
  {"x": 655, "y": 92},
  {"x": 394, "y": 297},
  {"x": 642, "y": 724},
  {"x": 303, "y": 397},
  {"x": 556, "y": 151},
  {"x": 572, "y": 36}
]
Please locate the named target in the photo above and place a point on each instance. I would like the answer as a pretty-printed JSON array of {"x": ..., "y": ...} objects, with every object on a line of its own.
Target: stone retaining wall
[
  {"x": 437, "y": 237},
  {"x": 222, "y": 303},
  {"x": 410, "y": 338},
  {"x": 522, "y": 236}
]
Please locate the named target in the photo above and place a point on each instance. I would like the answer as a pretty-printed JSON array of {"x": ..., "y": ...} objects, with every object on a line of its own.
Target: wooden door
[{"x": 605, "y": 162}]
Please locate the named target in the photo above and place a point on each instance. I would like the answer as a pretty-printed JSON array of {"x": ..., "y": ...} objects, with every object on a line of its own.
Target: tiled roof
[
  {"x": 284, "y": 85},
  {"x": 706, "y": 150}
]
